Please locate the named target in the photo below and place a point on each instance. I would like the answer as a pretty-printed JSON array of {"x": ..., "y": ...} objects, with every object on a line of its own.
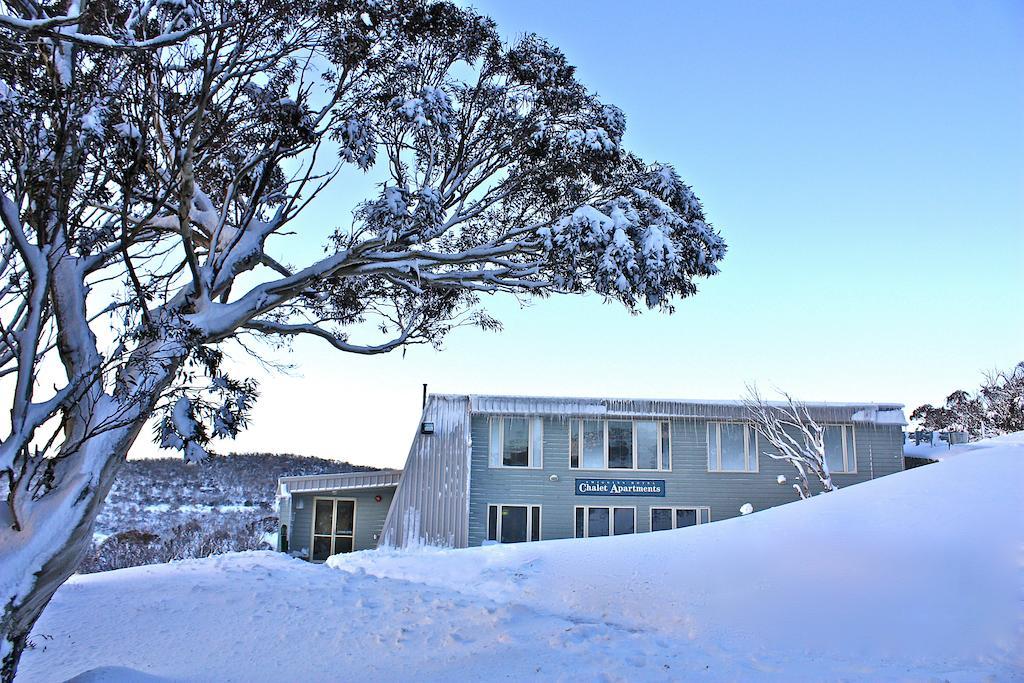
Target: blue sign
[{"x": 620, "y": 487}]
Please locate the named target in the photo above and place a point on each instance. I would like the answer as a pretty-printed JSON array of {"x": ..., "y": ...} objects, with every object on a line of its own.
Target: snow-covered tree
[
  {"x": 155, "y": 155},
  {"x": 996, "y": 408},
  {"x": 1003, "y": 394},
  {"x": 795, "y": 437}
]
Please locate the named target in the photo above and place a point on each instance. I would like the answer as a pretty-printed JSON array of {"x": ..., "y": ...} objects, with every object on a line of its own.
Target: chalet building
[{"x": 509, "y": 469}]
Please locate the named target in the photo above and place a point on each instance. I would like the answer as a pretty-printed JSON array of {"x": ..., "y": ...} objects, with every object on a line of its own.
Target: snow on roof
[
  {"x": 863, "y": 411},
  {"x": 330, "y": 482}
]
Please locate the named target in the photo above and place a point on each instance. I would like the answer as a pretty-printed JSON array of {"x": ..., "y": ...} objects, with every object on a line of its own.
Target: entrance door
[{"x": 334, "y": 524}]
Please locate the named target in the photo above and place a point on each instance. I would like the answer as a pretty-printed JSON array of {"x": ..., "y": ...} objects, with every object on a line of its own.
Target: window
[
  {"x": 513, "y": 523},
  {"x": 593, "y": 521},
  {"x": 840, "y": 453},
  {"x": 333, "y": 527},
  {"x": 516, "y": 442},
  {"x": 732, "y": 447},
  {"x": 663, "y": 519},
  {"x": 619, "y": 445}
]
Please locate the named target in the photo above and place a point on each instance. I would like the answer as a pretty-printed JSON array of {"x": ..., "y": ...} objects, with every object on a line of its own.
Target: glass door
[{"x": 333, "y": 527}]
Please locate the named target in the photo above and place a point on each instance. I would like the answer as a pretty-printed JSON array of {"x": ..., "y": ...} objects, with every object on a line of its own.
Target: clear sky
[{"x": 864, "y": 162}]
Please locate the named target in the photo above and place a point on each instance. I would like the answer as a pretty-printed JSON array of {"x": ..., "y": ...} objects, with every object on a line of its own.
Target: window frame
[
  {"x": 334, "y": 535},
  {"x": 749, "y": 434},
  {"x": 849, "y": 446},
  {"x": 611, "y": 519},
  {"x": 534, "y": 456},
  {"x": 673, "y": 509},
  {"x": 664, "y": 437},
  {"x": 529, "y": 522}
]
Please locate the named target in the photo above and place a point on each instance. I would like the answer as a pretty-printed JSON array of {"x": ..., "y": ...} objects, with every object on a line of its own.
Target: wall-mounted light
[
  {"x": 427, "y": 428},
  {"x": 553, "y": 477},
  {"x": 377, "y": 498}
]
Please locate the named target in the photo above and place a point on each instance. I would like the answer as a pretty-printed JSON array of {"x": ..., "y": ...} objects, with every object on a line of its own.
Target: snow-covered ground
[
  {"x": 940, "y": 450},
  {"x": 918, "y": 576}
]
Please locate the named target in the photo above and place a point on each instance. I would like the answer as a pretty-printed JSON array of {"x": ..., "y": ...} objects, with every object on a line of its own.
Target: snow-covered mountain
[
  {"x": 911, "y": 577},
  {"x": 162, "y": 508}
]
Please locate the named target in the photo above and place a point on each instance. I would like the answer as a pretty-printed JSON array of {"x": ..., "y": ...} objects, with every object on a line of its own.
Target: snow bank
[{"x": 915, "y": 576}]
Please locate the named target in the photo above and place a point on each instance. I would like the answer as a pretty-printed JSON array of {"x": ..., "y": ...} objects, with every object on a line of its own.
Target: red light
[{"x": 377, "y": 498}]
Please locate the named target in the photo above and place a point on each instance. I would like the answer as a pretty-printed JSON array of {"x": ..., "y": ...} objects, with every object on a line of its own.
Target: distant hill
[{"x": 161, "y": 508}]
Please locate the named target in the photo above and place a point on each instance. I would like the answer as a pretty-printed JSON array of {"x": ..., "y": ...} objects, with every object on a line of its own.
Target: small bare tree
[{"x": 796, "y": 437}]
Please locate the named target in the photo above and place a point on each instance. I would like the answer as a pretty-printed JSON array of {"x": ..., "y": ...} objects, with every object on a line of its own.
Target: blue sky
[{"x": 864, "y": 162}]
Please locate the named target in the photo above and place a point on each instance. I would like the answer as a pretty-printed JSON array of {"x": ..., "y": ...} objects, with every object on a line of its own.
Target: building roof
[
  {"x": 334, "y": 482},
  {"x": 865, "y": 412}
]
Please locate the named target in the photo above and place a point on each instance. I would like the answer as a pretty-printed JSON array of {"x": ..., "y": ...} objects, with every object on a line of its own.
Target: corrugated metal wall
[{"x": 431, "y": 504}]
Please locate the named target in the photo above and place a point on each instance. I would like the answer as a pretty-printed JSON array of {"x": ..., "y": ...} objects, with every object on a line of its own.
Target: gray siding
[
  {"x": 878, "y": 450},
  {"x": 369, "y": 516}
]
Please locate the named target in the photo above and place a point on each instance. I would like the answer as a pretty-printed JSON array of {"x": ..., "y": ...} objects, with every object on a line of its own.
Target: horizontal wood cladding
[{"x": 688, "y": 484}]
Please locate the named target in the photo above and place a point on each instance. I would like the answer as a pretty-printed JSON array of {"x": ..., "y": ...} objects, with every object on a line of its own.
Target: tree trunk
[
  {"x": 63, "y": 550},
  {"x": 54, "y": 531}
]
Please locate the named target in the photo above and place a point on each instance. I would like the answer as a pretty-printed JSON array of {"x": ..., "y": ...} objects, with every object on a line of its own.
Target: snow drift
[{"x": 910, "y": 577}]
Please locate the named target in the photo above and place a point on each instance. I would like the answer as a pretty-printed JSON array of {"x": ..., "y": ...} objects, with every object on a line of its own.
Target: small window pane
[
  {"x": 751, "y": 449},
  {"x": 321, "y": 548},
  {"x": 685, "y": 518},
  {"x": 624, "y": 521},
  {"x": 661, "y": 519},
  {"x": 537, "y": 442},
  {"x": 597, "y": 522},
  {"x": 574, "y": 443},
  {"x": 834, "y": 448},
  {"x": 666, "y": 450},
  {"x": 593, "y": 444},
  {"x": 494, "y": 444},
  {"x": 579, "y": 523},
  {"x": 620, "y": 444},
  {"x": 535, "y": 524},
  {"x": 492, "y": 522},
  {"x": 705, "y": 515},
  {"x": 516, "y": 445},
  {"x": 323, "y": 517},
  {"x": 647, "y": 445},
  {"x": 712, "y": 446},
  {"x": 342, "y": 544},
  {"x": 733, "y": 457},
  {"x": 851, "y": 452},
  {"x": 345, "y": 514},
  {"x": 513, "y": 524}
]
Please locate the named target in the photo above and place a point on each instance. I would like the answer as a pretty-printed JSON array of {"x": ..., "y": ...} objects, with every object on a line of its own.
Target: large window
[
  {"x": 334, "y": 523},
  {"x": 513, "y": 523},
  {"x": 619, "y": 445},
  {"x": 594, "y": 521},
  {"x": 732, "y": 447},
  {"x": 516, "y": 442},
  {"x": 663, "y": 519},
  {"x": 840, "y": 453}
]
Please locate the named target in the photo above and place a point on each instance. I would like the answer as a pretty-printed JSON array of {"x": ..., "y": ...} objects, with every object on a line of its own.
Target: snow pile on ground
[
  {"x": 916, "y": 576},
  {"x": 940, "y": 450}
]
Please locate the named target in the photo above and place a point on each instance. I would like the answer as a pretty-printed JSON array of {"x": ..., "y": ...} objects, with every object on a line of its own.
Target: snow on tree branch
[
  {"x": 156, "y": 157},
  {"x": 794, "y": 436}
]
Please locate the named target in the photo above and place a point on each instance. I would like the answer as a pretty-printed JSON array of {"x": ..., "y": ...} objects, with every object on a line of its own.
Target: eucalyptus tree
[{"x": 155, "y": 159}]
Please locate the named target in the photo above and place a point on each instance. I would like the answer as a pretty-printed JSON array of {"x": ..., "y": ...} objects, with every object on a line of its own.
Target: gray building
[{"x": 515, "y": 468}]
